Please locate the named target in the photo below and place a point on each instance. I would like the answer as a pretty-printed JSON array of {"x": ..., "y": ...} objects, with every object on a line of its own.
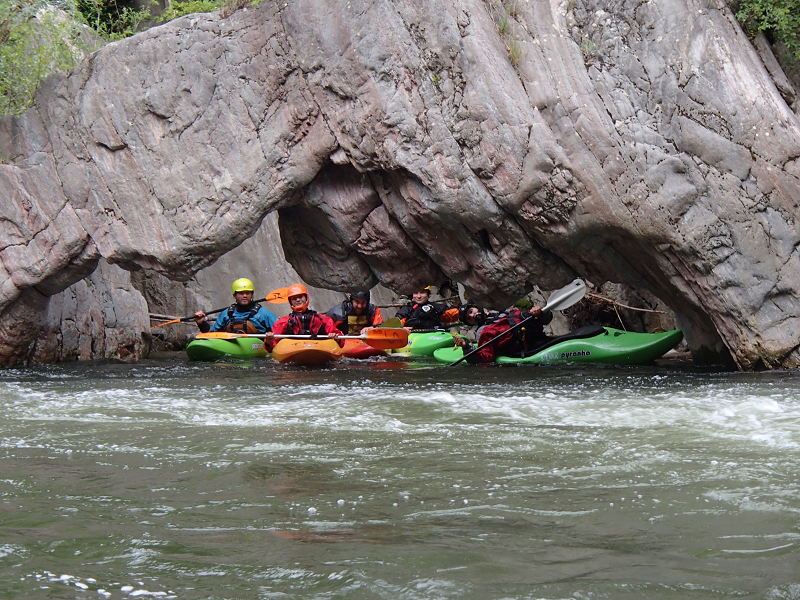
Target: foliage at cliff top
[
  {"x": 111, "y": 19},
  {"x": 40, "y": 37},
  {"x": 780, "y": 19},
  {"x": 37, "y": 38}
]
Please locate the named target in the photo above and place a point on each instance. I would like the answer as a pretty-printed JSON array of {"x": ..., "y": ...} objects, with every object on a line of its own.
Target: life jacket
[
  {"x": 421, "y": 316},
  {"x": 242, "y": 325},
  {"x": 306, "y": 323},
  {"x": 347, "y": 321},
  {"x": 454, "y": 316},
  {"x": 517, "y": 342}
]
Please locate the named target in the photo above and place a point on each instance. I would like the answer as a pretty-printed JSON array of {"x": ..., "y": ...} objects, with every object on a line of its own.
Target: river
[{"x": 398, "y": 480}]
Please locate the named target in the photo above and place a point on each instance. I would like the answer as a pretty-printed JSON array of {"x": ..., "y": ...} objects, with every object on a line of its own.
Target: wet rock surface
[{"x": 501, "y": 146}]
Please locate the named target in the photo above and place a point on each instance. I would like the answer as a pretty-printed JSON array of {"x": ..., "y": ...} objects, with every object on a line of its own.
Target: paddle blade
[
  {"x": 279, "y": 296},
  {"x": 567, "y": 296},
  {"x": 393, "y": 322},
  {"x": 386, "y": 338}
]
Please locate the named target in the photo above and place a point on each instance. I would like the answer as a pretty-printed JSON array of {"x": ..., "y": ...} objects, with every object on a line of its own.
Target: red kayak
[{"x": 360, "y": 349}]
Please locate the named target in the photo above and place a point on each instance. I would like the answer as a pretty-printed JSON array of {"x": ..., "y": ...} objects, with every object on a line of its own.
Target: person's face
[
  {"x": 243, "y": 297},
  {"x": 298, "y": 300},
  {"x": 360, "y": 306},
  {"x": 472, "y": 316},
  {"x": 420, "y": 296}
]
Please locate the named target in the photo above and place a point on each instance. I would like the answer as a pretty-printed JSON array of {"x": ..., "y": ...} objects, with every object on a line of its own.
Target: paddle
[
  {"x": 393, "y": 322},
  {"x": 559, "y": 300},
  {"x": 275, "y": 297},
  {"x": 278, "y": 296},
  {"x": 385, "y": 339}
]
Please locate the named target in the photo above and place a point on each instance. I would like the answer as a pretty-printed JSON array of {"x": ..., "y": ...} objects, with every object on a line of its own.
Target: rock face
[
  {"x": 99, "y": 317},
  {"x": 501, "y": 145}
]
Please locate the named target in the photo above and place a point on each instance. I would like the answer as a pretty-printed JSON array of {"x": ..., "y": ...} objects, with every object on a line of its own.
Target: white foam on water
[
  {"x": 12, "y": 550},
  {"x": 594, "y": 408}
]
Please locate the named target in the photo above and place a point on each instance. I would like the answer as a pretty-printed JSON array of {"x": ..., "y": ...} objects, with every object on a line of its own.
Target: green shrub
[
  {"x": 178, "y": 9},
  {"x": 37, "y": 38},
  {"x": 778, "y": 18},
  {"x": 40, "y": 37},
  {"x": 514, "y": 50},
  {"x": 110, "y": 19}
]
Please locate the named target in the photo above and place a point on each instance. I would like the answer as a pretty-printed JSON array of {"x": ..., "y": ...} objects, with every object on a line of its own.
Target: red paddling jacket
[
  {"x": 517, "y": 343},
  {"x": 309, "y": 322}
]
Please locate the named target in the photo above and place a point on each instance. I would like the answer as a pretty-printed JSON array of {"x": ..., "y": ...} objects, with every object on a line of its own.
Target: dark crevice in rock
[{"x": 484, "y": 236}]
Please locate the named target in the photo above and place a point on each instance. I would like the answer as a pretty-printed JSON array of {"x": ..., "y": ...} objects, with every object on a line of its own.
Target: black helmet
[
  {"x": 360, "y": 296},
  {"x": 480, "y": 318}
]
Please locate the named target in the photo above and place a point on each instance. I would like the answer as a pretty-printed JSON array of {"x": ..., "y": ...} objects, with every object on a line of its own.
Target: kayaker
[
  {"x": 421, "y": 313},
  {"x": 356, "y": 315},
  {"x": 244, "y": 316},
  {"x": 302, "y": 320},
  {"x": 517, "y": 343},
  {"x": 467, "y": 314}
]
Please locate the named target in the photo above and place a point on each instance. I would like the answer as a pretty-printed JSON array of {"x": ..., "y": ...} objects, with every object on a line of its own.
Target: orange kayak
[
  {"x": 360, "y": 349},
  {"x": 306, "y": 352}
]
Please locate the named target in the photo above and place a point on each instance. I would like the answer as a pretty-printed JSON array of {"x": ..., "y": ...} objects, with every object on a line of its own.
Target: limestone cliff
[{"x": 501, "y": 145}]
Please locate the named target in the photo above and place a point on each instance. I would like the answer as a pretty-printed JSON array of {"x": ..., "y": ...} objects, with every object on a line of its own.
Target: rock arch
[{"x": 637, "y": 143}]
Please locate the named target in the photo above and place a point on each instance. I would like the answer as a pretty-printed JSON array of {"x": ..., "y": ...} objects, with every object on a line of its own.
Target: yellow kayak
[{"x": 307, "y": 352}]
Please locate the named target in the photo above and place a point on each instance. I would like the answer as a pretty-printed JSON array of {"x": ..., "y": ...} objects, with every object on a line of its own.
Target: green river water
[{"x": 398, "y": 480}]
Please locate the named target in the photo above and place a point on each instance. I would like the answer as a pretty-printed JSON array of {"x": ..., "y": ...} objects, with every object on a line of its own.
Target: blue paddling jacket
[{"x": 254, "y": 319}]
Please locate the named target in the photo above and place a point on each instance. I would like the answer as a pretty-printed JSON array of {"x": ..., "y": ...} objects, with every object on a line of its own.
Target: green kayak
[
  {"x": 213, "y": 349},
  {"x": 591, "y": 345},
  {"x": 424, "y": 343}
]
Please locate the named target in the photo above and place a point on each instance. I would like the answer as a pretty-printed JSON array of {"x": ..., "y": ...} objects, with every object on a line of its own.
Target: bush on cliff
[
  {"x": 37, "y": 38},
  {"x": 179, "y": 9},
  {"x": 41, "y": 37},
  {"x": 779, "y": 19},
  {"x": 112, "y": 19}
]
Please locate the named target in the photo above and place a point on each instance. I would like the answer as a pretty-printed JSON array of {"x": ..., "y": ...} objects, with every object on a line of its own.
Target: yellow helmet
[{"x": 242, "y": 285}]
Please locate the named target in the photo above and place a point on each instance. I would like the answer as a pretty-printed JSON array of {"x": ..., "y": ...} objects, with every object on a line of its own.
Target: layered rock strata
[{"x": 501, "y": 145}]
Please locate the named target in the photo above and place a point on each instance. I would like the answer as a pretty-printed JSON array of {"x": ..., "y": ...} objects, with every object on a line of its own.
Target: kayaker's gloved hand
[
  {"x": 544, "y": 317},
  {"x": 200, "y": 319},
  {"x": 461, "y": 342}
]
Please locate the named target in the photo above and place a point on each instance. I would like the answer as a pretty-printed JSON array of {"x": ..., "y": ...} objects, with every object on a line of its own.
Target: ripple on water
[
  {"x": 630, "y": 402},
  {"x": 415, "y": 483}
]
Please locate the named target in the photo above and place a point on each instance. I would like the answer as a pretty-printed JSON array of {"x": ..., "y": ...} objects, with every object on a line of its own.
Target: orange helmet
[{"x": 297, "y": 289}]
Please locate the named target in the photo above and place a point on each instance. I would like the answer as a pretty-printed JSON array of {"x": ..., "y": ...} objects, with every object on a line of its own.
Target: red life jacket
[{"x": 309, "y": 322}]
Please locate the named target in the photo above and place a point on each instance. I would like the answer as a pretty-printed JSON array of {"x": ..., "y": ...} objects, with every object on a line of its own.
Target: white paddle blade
[{"x": 567, "y": 296}]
